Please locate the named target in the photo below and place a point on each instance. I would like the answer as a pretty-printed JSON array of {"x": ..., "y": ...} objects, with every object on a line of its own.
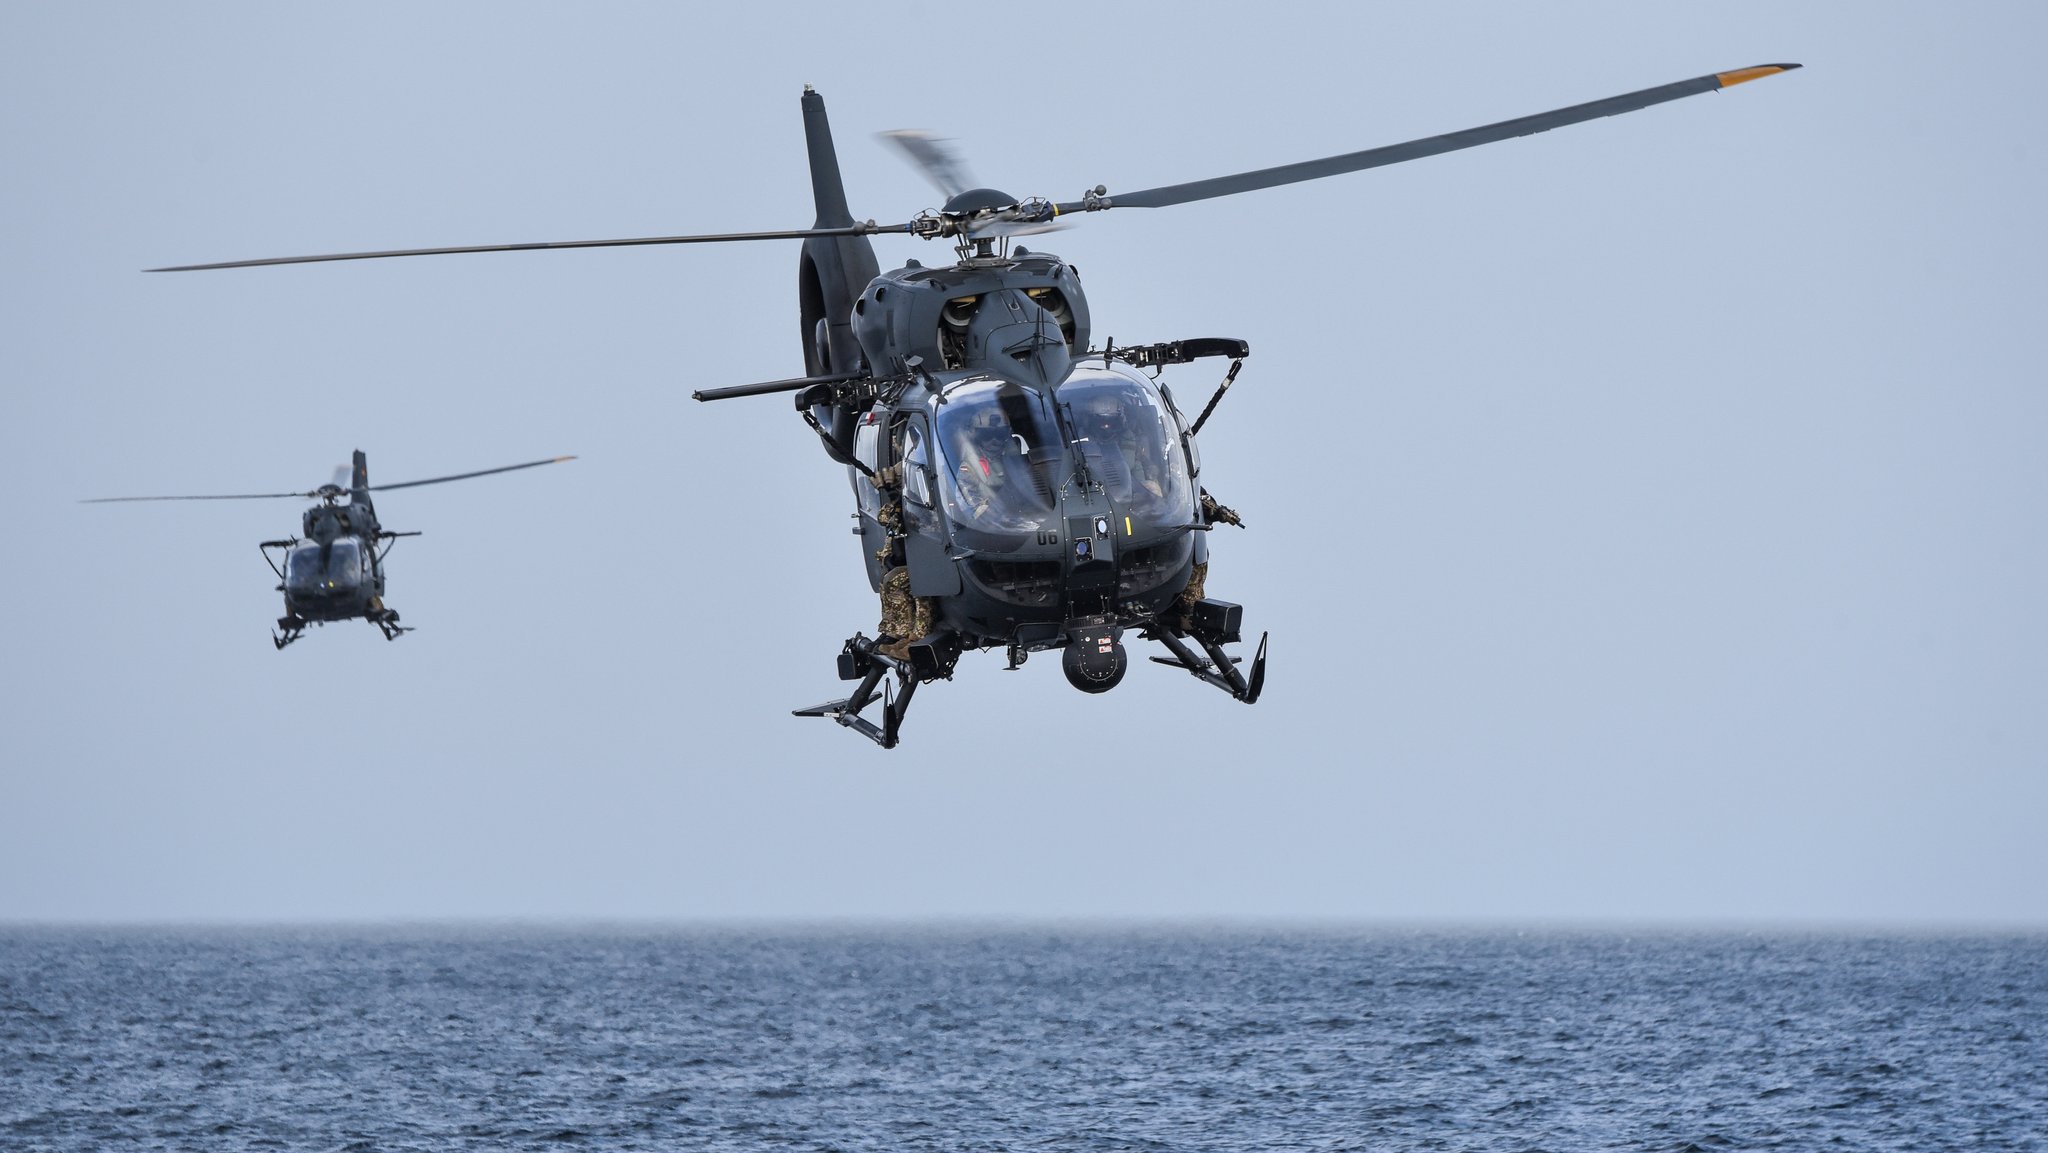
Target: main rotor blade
[
  {"x": 866, "y": 229},
  {"x": 930, "y": 155},
  {"x": 467, "y": 475},
  {"x": 1428, "y": 145},
  {"x": 1000, "y": 227},
  {"x": 232, "y": 496}
]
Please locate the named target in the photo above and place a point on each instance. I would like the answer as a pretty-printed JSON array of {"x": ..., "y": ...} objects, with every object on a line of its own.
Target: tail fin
[
  {"x": 359, "y": 481},
  {"x": 830, "y": 276},
  {"x": 826, "y": 187},
  {"x": 834, "y": 270}
]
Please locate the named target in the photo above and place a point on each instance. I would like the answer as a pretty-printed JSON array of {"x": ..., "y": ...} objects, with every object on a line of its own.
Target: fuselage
[
  {"x": 1041, "y": 484},
  {"x": 336, "y": 581},
  {"x": 335, "y": 573},
  {"x": 1026, "y": 508}
]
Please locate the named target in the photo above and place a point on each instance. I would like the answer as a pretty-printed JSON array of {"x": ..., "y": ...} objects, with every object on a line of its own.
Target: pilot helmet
[
  {"x": 1103, "y": 413},
  {"x": 990, "y": 437}
]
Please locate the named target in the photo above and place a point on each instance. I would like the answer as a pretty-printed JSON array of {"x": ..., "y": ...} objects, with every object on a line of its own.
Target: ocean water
[{"x": 981, "y": 1039}]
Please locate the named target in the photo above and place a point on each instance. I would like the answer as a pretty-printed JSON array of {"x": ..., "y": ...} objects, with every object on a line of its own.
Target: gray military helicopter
[
  {"x": 337, "y": 572},
  {"x": 1020, "y": 486}
]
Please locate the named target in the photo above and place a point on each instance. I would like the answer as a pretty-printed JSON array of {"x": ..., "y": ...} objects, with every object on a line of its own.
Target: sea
[{"x": 957, "y": 1038}]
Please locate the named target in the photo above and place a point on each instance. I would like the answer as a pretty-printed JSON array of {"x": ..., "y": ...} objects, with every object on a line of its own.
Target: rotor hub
[{"x": 976, "y": 200}]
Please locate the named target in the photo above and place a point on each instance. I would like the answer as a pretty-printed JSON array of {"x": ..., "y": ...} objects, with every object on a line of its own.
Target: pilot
[
  {"x": 983, "y": 470},
  {"x": 1106, "y": 424}
]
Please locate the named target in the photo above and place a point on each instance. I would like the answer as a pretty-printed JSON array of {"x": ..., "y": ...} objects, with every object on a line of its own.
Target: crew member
[
  {"x": 1212, "y": 513},
  {"x": 905, "y": 618}
]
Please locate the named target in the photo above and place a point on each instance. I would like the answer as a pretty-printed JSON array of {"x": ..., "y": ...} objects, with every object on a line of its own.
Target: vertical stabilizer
[
  {"x": 359, "y": 481},
  {"x": 834, "y": 270},
  {"x": 826, "y": 187},
  {"x": 831, "y": 275}
]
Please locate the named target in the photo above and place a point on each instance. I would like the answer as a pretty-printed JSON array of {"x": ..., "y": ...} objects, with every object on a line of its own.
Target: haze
[{"x": 1647, "y": 515}]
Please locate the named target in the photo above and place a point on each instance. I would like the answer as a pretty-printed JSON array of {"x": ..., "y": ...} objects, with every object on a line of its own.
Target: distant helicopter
[
  {"x": 337, "y": 572},
  {"x": 1016, "y": 486}
]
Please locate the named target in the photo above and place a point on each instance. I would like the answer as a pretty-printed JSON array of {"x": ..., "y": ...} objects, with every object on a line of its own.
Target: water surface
[{"x": 959, "y": 1039}]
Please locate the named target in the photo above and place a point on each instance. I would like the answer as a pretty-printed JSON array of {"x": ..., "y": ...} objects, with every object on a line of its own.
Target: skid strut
[
  {"x": 1218, "y": 668},
  {"x": 1215, "y": 624},
  {"x": 887, "y": 679},
  {"x": 875, "y": 671},
  {"x": 387, "y": 621}
]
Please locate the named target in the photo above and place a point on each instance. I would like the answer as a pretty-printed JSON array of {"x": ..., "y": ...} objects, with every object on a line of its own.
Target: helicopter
[
  {"x": 1016, "y": 486},
  {"x": 336, "y": 573}
]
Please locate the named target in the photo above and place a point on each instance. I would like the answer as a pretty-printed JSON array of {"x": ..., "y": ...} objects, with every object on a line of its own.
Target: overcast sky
[{"x": 1648, "y": 515}]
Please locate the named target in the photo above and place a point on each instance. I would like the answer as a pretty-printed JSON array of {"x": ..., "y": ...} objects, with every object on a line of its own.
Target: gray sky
[{"x": 1647, "y": 515}]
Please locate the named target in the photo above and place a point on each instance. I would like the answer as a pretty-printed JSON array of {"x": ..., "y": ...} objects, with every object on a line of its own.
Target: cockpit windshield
[
  {"x": 999, "y": 453},
  {"x": 304, "y": 571},
  {"x": 1129, "y": 442}
]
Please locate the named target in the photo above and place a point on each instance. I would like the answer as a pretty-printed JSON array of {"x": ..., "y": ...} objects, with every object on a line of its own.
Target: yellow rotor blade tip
[{"x": 1745, "y": 75}]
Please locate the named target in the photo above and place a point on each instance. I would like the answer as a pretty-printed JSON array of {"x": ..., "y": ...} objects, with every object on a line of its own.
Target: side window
[
  {"x": 916, "y": 468},
  {"x": 867, "y": 442},
  {"x": 1186, "y": 439},
  {"x": 867, "y": 449}
]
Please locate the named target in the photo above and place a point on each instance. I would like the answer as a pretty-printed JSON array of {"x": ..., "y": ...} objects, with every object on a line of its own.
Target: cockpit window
[
  {"x": 1130, "y": 442},
  {"x": 304, "y": 571},
  {"x": 997, "y": 470}
]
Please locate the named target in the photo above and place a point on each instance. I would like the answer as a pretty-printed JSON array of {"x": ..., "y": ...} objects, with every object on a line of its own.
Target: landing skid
[
  {"x": 893, "y": 681},
  {"x": 387, "y": 621},
  {"x": 887, "y": 679},
  {"x": 293, "y": 627},
  {"x": 1217, "y": 667}
]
